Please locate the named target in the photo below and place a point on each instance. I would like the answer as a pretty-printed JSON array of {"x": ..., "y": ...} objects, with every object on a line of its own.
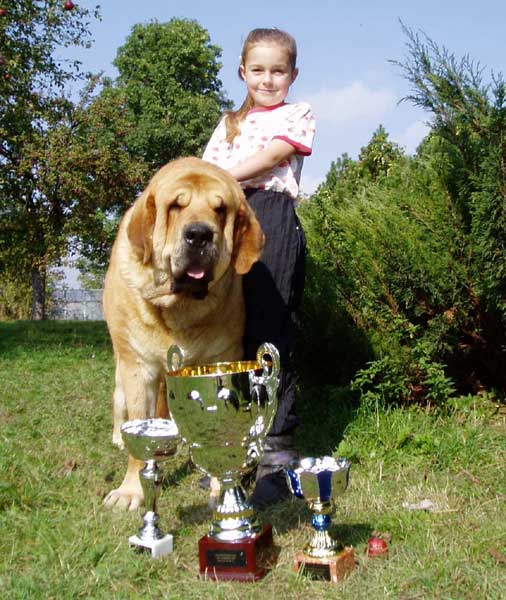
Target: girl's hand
[{"x": 264, "y": 160}]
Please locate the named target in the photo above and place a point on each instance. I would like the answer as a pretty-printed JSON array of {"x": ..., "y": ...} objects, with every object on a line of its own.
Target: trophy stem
[
  {"x": 234, "y": 518},
  {"x": 145, "y": 440},
  {"x": 322, "y": 545},
  {"x": 150, "y": 480},
  {"x": 150, "y": 536}
]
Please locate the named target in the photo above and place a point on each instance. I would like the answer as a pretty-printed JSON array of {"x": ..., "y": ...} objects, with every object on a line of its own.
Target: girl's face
[{"x": 268, "y": 74}]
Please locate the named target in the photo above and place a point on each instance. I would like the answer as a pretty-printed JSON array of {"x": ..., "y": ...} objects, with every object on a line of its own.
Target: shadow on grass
[
  {"x": 43, "y": 335},
  {"x": 194, "y": 514},
  {"x": 177, "y": 471},
  {"x": 290, "y": 515},
  {"x": 355, "y": 534},
  {"x": 285, "y": 516},
  {"x": 325, "y": 413}
]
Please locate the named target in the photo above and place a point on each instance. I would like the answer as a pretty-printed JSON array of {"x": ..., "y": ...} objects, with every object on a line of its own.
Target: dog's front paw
[
  {"x": 215, "y": 492},
  {"x": 126, "y": 497},
  {"x": 117, "y": 440}
]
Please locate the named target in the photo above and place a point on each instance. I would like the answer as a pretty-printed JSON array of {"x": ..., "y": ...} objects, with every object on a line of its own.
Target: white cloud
[
  {"x": 353, "y": 102},
  {"x": 412, "y": 136}
]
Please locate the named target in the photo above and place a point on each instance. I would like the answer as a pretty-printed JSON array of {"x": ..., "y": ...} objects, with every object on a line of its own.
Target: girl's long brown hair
[{"x": 257, "y": 36}]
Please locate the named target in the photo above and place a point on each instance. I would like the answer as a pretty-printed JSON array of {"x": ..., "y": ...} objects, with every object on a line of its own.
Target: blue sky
[{"x": 344, "y": 52}]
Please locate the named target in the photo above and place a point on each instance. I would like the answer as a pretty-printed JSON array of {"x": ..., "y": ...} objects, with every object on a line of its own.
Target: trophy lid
[
  {"x": 318, "y": 479},
  {"x": 149, "y": 439}
]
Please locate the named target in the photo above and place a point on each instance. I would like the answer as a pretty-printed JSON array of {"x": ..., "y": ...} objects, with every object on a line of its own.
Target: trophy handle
[
  {"x": 271, "y": 367},
  {"x": 268, "y": 357},
  {"x": 175, "y": 358}
]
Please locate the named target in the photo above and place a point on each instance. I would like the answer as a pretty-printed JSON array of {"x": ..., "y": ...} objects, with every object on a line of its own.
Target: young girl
[{"x": 262, "y": 145}]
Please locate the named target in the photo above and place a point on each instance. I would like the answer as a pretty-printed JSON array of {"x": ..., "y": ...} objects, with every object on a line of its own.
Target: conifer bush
[{"x": 410, "y": 252}]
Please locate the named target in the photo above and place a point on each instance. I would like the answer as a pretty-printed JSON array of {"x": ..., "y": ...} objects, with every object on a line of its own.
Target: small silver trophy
[
  {"x": 319, "y": 481},
  {"x": 151, "y": 440},
  {"x": 224, "y": 410}
]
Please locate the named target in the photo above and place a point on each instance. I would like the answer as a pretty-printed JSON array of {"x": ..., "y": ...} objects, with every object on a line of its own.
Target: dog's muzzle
[
  {"x": 195, "y": 269},
  {"x": 198, "y": 236}
]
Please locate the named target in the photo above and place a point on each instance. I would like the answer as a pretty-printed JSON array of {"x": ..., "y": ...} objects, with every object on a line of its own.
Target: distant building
[{"x": 79, "y": 305}]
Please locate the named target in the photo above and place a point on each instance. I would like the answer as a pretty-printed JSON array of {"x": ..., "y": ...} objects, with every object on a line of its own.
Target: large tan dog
[{"x": 175, "y": 277}]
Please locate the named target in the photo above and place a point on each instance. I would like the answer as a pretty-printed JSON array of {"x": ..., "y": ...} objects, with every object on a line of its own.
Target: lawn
[{"x": 57, "y": 462}]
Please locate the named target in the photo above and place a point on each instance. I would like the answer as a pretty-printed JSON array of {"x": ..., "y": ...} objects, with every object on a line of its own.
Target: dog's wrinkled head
[{"x": 190, "y": 225}]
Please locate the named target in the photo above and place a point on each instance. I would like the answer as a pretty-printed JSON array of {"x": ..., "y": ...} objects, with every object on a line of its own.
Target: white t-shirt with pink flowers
[{"x": 292, "y": 123}]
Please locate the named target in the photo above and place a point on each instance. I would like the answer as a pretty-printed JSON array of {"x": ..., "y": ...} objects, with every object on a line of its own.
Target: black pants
[{"x": 273, "y": 291}]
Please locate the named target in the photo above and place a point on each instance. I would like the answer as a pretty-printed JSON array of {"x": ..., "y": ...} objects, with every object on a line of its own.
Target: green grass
[{"x": 57, "y": 462}]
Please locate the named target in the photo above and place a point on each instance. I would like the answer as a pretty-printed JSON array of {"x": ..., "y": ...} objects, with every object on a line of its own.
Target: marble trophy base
[
  {"x": 242, "y": 560},
  {"x": 332, "y": 568},
  {"x": 158, "y": 548}
]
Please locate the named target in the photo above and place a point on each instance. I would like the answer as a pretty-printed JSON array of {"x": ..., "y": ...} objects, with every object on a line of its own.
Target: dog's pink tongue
[{"x": 195, "y": 274}]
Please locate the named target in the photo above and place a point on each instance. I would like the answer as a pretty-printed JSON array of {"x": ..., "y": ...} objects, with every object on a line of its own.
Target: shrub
[{"x": 391, "y": 253}]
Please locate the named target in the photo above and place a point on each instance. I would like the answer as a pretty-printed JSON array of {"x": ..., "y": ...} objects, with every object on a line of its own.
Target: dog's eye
[{"x": 220, "y": 210}]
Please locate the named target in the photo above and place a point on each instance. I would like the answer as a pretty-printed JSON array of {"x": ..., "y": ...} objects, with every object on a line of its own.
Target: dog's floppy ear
[
  {"x": 248, "y": 239},
  {"x": 140, "y": 228}
]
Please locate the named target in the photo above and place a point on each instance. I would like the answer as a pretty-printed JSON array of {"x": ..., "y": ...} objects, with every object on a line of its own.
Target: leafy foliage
[
  {"x": 69, "y": 169},
  {"x": 100, "y": 172},
  {"x": 14, "y": 299},
  {"x": 470, "y": 118},
  {"x": 413, "y": 249},
  {"x": 168, "y": 73},
  {"x": 395, "y": 255},
  {"x": 163, "y": 105},
  {"x": 32, "y": 105}
]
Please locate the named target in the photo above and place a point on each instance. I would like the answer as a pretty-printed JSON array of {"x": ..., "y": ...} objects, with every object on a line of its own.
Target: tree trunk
[{"x": 38, "y": 294}]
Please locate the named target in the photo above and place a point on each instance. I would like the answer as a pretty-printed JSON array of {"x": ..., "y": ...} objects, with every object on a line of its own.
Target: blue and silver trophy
[{"x": 319, "y": 481}]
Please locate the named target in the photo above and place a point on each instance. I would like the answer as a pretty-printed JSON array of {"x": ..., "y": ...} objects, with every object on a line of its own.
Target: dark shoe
[
  {"x": 271, "y": 485},
  {"x": 205, "y": 482},
  {"x": 270, "y": 489}
]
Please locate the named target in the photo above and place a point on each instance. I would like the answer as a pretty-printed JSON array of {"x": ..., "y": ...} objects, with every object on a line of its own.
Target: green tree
[
  {"x": 32, "y": 104},
  {"x": 69, "y": 169},
  {"x": 469, "y": 118},
  {"x": 391, "y": 250},
  {"x": 168, "y": 73},
  {"x": 413, "y": 249},
  {"x": 336, "y": 230},
  {"x": 379, "y": 155},
  {"x": 98, "y": 177},
  {"x": 168, "y": 99},
  {"x": 374, "y": 161},
  {"x": 85, "y": 179}
]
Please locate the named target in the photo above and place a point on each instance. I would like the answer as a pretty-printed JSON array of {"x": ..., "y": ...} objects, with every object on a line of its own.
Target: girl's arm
[{"x": 262, "y": 161}]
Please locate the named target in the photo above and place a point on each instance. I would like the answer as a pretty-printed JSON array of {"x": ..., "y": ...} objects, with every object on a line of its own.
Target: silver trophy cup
[
  {"x": 319, "y": 481},
  {"x": 223, "y": 411},
  {"x": 151, "y": 440}
]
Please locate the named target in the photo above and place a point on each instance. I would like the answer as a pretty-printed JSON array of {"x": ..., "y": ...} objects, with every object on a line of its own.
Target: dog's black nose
[{"x": 198, "y": 235}]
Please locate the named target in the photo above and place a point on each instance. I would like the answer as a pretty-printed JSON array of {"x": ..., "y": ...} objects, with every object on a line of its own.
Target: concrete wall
[{"x": 80, "y": 305}]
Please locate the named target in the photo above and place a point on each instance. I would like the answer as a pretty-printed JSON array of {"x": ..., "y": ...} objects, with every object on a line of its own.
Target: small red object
[
  {"x": 69, "y": 5},
  {"x": 7, "y": 76},
  {"x": 3, "y": 12},
  {"x": 377, "y": 546}
]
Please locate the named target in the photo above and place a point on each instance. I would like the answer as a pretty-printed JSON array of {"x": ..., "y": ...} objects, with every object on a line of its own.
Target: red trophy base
[
  {"x": 333, "y": 568},
  {"x": 244, "y": 560}
]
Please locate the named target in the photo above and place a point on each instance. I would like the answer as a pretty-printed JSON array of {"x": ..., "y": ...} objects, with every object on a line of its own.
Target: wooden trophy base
[
  {"x": 333, "y": 568},
  {"x": 244, "y": 560}
]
